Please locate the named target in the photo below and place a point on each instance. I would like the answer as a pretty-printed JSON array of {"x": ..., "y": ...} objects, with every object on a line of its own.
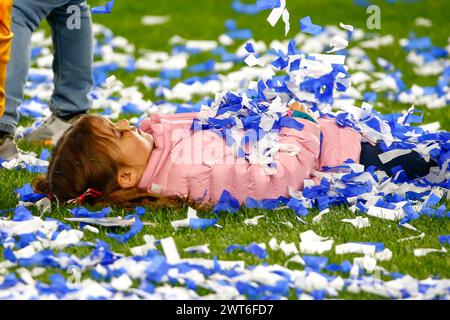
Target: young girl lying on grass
[{"x": 168, "y": 164}]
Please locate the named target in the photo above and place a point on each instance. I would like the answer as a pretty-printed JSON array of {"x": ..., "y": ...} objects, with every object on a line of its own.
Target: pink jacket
[{"x": 200, "y": 164}]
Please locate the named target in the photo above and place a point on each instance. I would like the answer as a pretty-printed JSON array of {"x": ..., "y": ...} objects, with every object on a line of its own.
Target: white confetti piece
[
  {"x": 423, "y": 22},
  {"x": 288, "y": 248},
  {"x": 388, "y": 214},
  {"x": 287, "y": 25},
  {"x": 66, "y": 238},
  {"x": 421, "y": 236},
  {"x": 337, "y": 43},
  {"x": 225, "y": 264},
  {"x": 109, "y": 222},
  {"x": 319, "y": 217},
  {"x": 121, "y": 283},
  {"x": 191, "y": 214},
  {"x": 311, "y": 236},
  {"x": 154, "y": 20},
  {"x": 295, "y": 259},
  {"x": 170, "y": 250},
  {"x": 91, "y": 229},
  {"x": 253, "y": 221},
  {"x": 276, "y": 13},
  {"x": 110, "y": 81},
  {"x": 252, "y": 61},
  {"x": 287, "y": 223},
  {"x": 385, "y": 255},
  {"x": 424, "y": 251},
  {"x": 142, "y": 250},
  {"x": 358, "y": 222},
  {"x": 346, "y": 26},
  {"x": 44, "y": 206},
  {"x": 311, "y": 243},
  {"x": 408, "y": 226},
  {"x": 388, "y": 156},
  {"x": 318, "y": 247},
  {"x": 273, "y": 244},
  {"x": 352, "y": 247},
  {"x": 367, "y": 263}
]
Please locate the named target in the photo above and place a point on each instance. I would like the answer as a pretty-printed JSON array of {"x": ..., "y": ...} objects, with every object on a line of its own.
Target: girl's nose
[{"x": 123, "y": 124}]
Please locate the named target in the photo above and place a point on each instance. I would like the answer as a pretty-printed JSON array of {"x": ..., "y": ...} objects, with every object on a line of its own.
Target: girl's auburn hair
[{"x": 83, "y": 159}]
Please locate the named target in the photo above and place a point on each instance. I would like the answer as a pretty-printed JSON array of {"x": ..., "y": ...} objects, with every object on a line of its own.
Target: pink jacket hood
[{"x": 200, "y": 165}]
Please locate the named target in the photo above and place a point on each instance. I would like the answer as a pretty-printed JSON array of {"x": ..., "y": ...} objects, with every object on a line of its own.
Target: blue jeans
[{"x": 72, "y": 63}]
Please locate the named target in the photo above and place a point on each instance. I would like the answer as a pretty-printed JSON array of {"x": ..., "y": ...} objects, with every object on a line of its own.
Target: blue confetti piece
[
  {"x": 9, "y": 281},
  {"x": 240, "y": 34},
  {"x": 432, "y": 201},
  {"x": 370, "y": 97},
  {"x": 22, "y": 214},
  {"x": 44, "y": 258},
  {"x": 140, "y": 211},
  {"x": 230, "y": 24},
  {"x": 307, "y": 26},
  {"x": 250, "y": 8},
  {"x": 134, "y": 230},
  {"x": 8, "y": 254},
  {"x": 318, "y": 294},
  {"x": 45, "y": 154},
  {"x": 202, "y": 224},
  {"x": 24, "y": 190},
  {"x": 203, "y": 67},
  {"x": 25, "y": 240},
  {"x": 411, "y": 214},
  {"x": 131, "y": 108},
  {"x": 249, "y": 47},
  {"x": 267, "y": 4},
  {"x": 298, "y": 207},
  {"x": 26, "y": 194},
  {"x": 289, "y": 122},
  {"x": 252, "y": 248},
  {"x": 315, "y": 262},
  {"x": 81, "y": 212},
  {"x": 295, "y": 65},
  {"x": 346, "y": 266},
  {"x": 103, "y": 9},
  {"x": 226, "y": 203},
  {"x": 171, "y": 73},
  {"x": 444, "y": 239}
]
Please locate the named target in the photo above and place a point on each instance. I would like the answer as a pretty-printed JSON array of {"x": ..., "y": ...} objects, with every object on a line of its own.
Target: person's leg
[
  {"x": 412, "y": 163},
  {"x": 73, "y": 59},
  {"x": 72, "y": 68},
  {"x": 5, "y": 48},
  {"x": 26, "y": 17}
]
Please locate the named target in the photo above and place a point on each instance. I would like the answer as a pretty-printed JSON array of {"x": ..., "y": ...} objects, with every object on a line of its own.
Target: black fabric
[
  {"x": 412, "y": 163},
  {"x": 71, "y": 116},
  {"x": 3, "y": 134}
]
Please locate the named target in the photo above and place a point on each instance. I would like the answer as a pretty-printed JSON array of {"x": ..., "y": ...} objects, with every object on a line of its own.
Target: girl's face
[{"x": 134, "y": 146}]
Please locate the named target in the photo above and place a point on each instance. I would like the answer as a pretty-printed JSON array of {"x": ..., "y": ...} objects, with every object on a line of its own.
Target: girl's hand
[{"x": 297, "y": 106}]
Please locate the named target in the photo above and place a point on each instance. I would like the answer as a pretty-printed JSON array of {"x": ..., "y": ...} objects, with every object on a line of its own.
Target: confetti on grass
[{"x": 32, "y": 245}]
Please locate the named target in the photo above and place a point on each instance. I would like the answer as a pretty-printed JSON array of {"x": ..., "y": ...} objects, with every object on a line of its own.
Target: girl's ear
[{"x": 127, "y": 178}]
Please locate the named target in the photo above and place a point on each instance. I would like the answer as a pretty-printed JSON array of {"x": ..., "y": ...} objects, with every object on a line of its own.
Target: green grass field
[{"x": 195, "y": 19}]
